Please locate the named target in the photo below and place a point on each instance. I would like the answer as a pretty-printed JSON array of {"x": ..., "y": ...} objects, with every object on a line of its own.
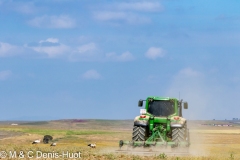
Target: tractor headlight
[{"x": 143, "y": 111}]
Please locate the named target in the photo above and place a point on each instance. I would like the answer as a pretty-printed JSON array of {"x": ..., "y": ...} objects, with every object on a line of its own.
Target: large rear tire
[
  {"x": 139, "y": 133},
  {"x": 180, "y": 135}
]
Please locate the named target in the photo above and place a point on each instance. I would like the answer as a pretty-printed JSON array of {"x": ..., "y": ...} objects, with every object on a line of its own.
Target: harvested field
[{"x": 207, "y": 142}]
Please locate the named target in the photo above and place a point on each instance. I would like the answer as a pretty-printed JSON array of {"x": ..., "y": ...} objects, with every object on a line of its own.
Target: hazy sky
[{"x": 96, "y": 59}]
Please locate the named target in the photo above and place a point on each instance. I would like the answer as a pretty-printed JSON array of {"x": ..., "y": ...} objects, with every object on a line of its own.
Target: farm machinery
[{"x": 160, "y": 124}]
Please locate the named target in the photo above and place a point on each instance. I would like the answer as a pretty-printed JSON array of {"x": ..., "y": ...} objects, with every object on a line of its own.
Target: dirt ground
[{"x": 206, "y": 140}]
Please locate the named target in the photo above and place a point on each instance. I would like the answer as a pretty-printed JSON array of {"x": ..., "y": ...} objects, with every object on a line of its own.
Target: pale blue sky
[{"x": 96, "y": 59}]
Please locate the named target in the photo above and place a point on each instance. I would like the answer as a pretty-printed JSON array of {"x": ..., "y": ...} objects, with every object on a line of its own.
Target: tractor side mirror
[
  {"x": 185, "y": 104},
  {"x": 140, "y": 103}
]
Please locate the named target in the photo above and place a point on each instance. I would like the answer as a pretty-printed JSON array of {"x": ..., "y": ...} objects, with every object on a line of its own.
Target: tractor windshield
[{"x": 161, "y": 108}]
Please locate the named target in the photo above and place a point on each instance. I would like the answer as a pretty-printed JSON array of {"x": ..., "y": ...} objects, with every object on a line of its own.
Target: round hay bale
[{"x": 47, "y": 138}]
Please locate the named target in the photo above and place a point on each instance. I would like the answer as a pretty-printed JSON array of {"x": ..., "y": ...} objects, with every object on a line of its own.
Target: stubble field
[{"x": 72, "y": 136}]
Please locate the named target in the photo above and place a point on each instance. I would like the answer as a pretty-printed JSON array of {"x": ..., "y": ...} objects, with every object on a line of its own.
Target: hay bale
[{"x": 47, "y": 138}]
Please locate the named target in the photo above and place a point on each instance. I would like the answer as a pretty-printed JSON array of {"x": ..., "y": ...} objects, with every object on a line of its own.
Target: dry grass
[{"x": 206, "y": 142}]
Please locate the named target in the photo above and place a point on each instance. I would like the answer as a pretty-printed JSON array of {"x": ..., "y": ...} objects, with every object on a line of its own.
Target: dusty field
[{"x": 207, "y": 142}]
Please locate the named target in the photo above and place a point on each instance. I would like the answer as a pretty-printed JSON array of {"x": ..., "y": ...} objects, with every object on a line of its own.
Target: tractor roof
[{"x": 160, "y": 98}]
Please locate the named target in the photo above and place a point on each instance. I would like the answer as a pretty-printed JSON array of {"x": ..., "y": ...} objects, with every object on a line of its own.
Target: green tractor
[{"x": 160, "y": 124}]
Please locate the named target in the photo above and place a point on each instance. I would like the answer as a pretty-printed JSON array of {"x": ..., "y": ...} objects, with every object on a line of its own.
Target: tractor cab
[{"x": 163, "y": 107}]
